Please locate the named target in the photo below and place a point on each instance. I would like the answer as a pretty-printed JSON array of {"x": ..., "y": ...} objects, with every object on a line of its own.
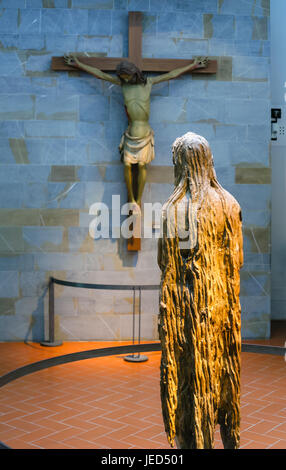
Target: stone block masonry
[{"x": 59, "y": 137}]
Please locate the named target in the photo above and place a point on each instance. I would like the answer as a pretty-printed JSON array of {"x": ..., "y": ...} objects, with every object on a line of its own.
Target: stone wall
[{"x": 59, "y": 136}]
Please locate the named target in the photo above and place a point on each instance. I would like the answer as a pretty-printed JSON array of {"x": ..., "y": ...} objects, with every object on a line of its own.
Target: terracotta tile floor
[{"x": 109, "y": 403}]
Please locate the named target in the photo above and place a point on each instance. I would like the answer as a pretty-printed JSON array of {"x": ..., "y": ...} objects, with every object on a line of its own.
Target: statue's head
[
  {"x": 192, "y": 156},
  {"x": 129, "y": 73}
]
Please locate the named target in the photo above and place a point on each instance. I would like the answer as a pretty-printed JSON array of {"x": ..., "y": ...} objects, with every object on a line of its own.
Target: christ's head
[{"x": 129, "y": 73}]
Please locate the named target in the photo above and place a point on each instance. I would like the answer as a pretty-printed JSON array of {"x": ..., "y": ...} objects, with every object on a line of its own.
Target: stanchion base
[
  {"x": 138, "y": 358},
  {"x": 51, "y": 343}
]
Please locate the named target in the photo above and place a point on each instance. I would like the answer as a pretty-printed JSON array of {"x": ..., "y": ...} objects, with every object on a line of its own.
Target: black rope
[{"x": 104, "y": 286}]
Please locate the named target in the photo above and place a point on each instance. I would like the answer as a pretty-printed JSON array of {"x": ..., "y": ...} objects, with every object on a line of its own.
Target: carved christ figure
[
  {"x": 137, "y": 143},
  {"x": 199, "y": 319}
]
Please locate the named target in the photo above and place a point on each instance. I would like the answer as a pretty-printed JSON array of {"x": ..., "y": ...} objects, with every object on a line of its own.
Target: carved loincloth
[{"x": 137, "y": 150}]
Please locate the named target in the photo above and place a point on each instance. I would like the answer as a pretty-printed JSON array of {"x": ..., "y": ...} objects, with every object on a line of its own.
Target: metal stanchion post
[
  {"x": 51, "y": 341},
  {"x": 138, "y": 357}
]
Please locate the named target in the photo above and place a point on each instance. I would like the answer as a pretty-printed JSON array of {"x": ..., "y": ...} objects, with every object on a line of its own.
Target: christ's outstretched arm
[
  {"x": 198, "y": 63},
  {"x": 73, "y": 61}
]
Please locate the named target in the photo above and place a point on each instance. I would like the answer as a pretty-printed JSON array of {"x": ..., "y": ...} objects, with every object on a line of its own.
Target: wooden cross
[{"x": 108, "y": 64}]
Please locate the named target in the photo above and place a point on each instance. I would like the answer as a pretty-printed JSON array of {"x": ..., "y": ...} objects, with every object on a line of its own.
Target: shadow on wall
[{"x": 36, "y": 330}]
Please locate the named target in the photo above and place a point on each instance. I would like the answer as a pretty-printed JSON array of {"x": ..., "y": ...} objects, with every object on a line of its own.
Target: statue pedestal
[{"x": 134, "y": 243}]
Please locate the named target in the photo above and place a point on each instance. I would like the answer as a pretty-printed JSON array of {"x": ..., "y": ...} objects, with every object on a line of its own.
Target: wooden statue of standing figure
[{"x": 200, "y": 255}]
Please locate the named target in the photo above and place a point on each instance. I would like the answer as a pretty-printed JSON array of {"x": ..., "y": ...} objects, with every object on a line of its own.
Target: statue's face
[{"x": 126, "y": 77}]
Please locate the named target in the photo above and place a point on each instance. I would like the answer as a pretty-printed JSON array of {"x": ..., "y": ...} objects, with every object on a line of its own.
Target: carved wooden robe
[{"x": 199, "y": 319}]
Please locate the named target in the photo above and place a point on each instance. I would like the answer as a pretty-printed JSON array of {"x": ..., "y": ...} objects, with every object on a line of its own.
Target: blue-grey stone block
[
  {"x": 79, "y": 85},
  {"x": 161, "y": 89},
  {"x": 221, "y": 152},
  {"x": 188, "y": 48},
  {"x": 117, "y": 109},
  {"x": 257, "y": 325},
  {"x": 250, "y": 152},
  {"x": 258, "y": 133},
  {"x": 7, "y": 155},
  {"x": 10, "y": 195},
  {"x": 12, "y": 3},
  {"x": 11, "y": 240},
  {"x": 94, "y": 108},
  {"x": 29, "y": 21},
  {"x": 167, "y": 109},
  {"x": 96, "y": 4},
  {"x": 252, "y": 197},
  {"x": 99, "y": 22},
  {"x": 65, "y": 21},
  {"x": 9, "y": 41},
  {"x": 66, "y": 195},
  {"x": 249, "y": 27},
  {"x": 257, "y": 218},
  {"x": 20, "y": 108},
  {"x": 9, "y": 284},
  {"x": 38, "y": 63},
  {"x": 218, "y": 47},
  {"x": 57, "y": 107},
  {"x": 77, "y": 151},
  {"x": 89, "y": 173},
  {"x": 13, "y": 129},
  {"x": 33, "y": 283},
  {"x": 60, "y": 261},
  {"x": 255, "y": 304},
  {"x": 227, "y": 90},
  {"x": 247, "y": 111},
  {"x": 254, "y": 284},
  {"x": 61, "y": 43},
  {"x": 165, "y": 46},
  {"x": 231, "y": 133},
  {"x": 190, "y": 26},
  {"x": 34, "y": 195},
  {"x": 160, "y": 46},
  {"x": 219, "y": 27},
  {"x": 246, "y": 47},
  {"x": 15, "y": 262},
  {"x": 120, "y": 4},
  {"x": 209, "y": 6},
  {"x": 39, "y": 3},
  {"x": 77, "y": 236},
  {"x": 103, "y": 192},
  {"x": 114, "y": 173},
  {"x": 259, "y": 90},
  {"x": 42, "y": 238},
  {"x": 31, "y": 41},
  {"x": 8, "y": 20},
  {"x": 262, "y": 259},
  {"x": 50, "y": 128},
  {"x": 149, "y": 23},
  {"x": 119, "y": 23},
  {"x": 28, "y": 85},
  {"x": 250, "y": 68},
  {"x": 46, "y": 151},
  {"x": 10, "y": 64},
  {"x": 9, "y": 173},
  {"x": 225, "y": 176},
  {"x": 107, "y": 45},
  {"x": 205, "y": 110},
  {"x": 138, "y": 5},
  {"x": 33, "y": 173},
  {"x": 243, "y": 8},
  {"x": 92, "y": 130}
]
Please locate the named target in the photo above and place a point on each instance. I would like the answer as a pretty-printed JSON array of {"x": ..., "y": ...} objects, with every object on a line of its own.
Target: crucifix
[{"x": 137, "y": 143}]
